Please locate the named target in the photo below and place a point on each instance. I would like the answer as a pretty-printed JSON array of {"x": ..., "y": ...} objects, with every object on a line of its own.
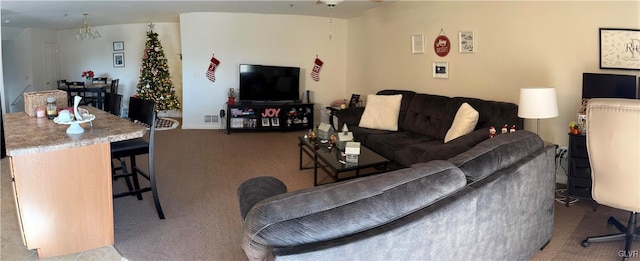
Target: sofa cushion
[
  {"x": 496, "y": 153},
  {"x": 381, "y": 112},
  {"x": 492, "y": 113},
  {"x": 387, "y": 144},
  {"x": 404, "y": 105},
  {"x": 464, "y": 122},
  {"x": 430, "y": 115},
  {"x": 317, "y": 214}
]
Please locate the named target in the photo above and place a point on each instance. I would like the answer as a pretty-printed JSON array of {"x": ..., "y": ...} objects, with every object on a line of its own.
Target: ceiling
[{"x": 61, "y": 15}]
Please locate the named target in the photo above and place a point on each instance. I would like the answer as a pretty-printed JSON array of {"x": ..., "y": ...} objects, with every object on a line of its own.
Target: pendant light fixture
[{"x": 85, "y": 32}]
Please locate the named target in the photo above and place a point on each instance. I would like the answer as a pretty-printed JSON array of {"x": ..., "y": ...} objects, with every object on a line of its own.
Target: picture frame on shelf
[
  {"x": 417, "y": 43},
  {"x": 265, "y": 122},
  {"x": 355, "y": 99},
  {"x": 466, "y": 41},
  {"x": 441, "y": 70},
  {"x": 118, "y": 46},
  {"x": 618, "y": 48},
  {"x": 275, "y": 122},
  {"x": 118, "y": 60}
]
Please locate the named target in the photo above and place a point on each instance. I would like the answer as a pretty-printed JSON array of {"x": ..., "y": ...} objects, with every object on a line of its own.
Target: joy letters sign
[{"x": 270, "y": 113}]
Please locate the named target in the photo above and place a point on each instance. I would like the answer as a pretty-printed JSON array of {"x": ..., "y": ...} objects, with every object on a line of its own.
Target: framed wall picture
[
  {"x": 417, "y": 43},
  {"x": 619, "y": 49},
  {"x": 466, "y": 41},
  {"x": 118, "y": 59},
  {"x": 441, "y": 70},
  {"x": 118, "y": 46}
]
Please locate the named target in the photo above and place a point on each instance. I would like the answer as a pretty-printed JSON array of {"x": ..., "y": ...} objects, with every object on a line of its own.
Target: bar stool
[{"x": 141, "y": 111}]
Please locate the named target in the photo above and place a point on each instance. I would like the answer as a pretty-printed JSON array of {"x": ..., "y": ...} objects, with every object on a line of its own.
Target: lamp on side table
[{"x": 538, "y": 103}]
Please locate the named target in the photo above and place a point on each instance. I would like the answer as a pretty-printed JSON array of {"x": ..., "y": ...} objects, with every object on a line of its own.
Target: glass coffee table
[{"x": 331, "y": 161}]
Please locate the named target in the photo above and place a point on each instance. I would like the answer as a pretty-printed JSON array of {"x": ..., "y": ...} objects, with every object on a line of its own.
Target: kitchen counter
[
  {"x": 27, "y": 135},
  {"x": 62, "y": 183}
]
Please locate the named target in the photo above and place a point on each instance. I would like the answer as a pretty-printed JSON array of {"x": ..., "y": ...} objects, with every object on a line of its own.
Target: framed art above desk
[{"x": 619, "y": 49}]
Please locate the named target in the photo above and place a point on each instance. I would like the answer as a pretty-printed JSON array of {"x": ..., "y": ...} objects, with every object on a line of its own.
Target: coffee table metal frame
[{"x": 329, "y": 161}]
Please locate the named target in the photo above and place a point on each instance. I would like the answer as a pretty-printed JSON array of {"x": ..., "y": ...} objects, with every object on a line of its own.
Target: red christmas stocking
[
  {"x": 211, "y": 72},
  {"x": 315, "y": 73}
]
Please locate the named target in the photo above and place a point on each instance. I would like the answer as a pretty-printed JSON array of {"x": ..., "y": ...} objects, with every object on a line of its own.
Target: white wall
[
  {"x": 22, "y": 63},
  {"x": 519, "y": 44},
  {"x": 285, "y": 40},
  {"x": 77, "y": 56},
  {"x": 24, "y": 56}
]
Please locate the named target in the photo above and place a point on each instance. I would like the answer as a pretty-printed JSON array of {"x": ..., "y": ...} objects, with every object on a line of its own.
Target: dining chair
[
  {"x": 115, "y": 83},
  {"x": 62, "y": 85},
  {"x": 143, "y": 112},
  {"x": 113, "y": 101},
  {"x": 107, "y": 98},
  {"x": 99, "y": 80},
  {"x": 78, "y": 89}
]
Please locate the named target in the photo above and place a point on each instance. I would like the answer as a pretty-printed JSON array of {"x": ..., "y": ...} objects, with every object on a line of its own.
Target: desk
[
  {"x": 62, "y": 182},
  {"x": 97, "y": 88},
  {"x": 579, "y": 176}
]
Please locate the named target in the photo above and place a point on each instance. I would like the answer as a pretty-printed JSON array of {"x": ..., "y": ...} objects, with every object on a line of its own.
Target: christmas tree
[{"x": 155, "y": 81}]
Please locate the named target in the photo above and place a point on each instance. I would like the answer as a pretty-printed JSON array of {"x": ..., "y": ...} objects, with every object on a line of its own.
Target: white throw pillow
[
  {"x": 464, "y": 122},
  {"x": 381, "y": 112}
]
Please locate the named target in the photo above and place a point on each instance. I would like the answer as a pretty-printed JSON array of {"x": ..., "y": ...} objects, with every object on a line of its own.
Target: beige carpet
[
  {"x": 198, "y": 172},
  {"x": 595, "y": 224}
]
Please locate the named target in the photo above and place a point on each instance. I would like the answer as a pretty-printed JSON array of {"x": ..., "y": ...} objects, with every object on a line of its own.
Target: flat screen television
[
  {"x": 266, "y": 83},
  {"x": 600, "y": 85}
]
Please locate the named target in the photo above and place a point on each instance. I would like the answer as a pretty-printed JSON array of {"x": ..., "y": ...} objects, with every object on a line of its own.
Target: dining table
[{"x": 98, "y": 88}]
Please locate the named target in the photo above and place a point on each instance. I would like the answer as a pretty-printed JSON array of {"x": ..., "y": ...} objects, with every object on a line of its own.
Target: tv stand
[{"x": 269, "y": 116}]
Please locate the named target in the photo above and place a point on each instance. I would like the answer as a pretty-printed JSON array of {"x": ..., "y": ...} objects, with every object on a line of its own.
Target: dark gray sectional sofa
[
  {"x": 423, "y": 123},
  {"x": 494, "y": 201}
]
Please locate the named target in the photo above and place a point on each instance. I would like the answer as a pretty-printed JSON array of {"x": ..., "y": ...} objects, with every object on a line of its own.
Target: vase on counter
[{"x": 88, "y": 82}]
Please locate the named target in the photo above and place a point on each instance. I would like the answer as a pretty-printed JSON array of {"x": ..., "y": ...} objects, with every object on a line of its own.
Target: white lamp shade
[{"x": 538, "y": 103}]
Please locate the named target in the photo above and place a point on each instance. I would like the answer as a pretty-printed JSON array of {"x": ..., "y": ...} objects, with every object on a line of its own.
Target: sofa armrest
[
  {"x": 350, "y": 116},
  {"x": 310, "y": 215},
  {"x": 256, "y": 189}
]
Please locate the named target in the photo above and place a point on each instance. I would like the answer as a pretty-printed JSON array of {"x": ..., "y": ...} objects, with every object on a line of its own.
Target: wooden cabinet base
[{"x": 64, "y": 199}]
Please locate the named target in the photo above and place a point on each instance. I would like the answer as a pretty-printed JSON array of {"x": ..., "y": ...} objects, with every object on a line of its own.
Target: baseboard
[
  {"x": 201, "y": 126},
  {"x": 169, "y": 114}
]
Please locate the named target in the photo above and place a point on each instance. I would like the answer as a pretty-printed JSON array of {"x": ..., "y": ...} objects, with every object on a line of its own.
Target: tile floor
[{"x": 12, "y": 247}]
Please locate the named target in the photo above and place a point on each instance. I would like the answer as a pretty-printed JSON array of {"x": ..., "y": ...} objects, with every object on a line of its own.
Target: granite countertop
[{"x": 27, "y": 135}]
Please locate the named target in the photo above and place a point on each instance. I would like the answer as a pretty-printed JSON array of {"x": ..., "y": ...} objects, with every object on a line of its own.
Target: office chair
[
  {"x": 613, "y": 145},
  {"x": 141, "y": 111}
]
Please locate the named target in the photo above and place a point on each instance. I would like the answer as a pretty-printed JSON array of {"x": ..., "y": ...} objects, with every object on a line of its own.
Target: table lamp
[{"x": 538, "y": 103}]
